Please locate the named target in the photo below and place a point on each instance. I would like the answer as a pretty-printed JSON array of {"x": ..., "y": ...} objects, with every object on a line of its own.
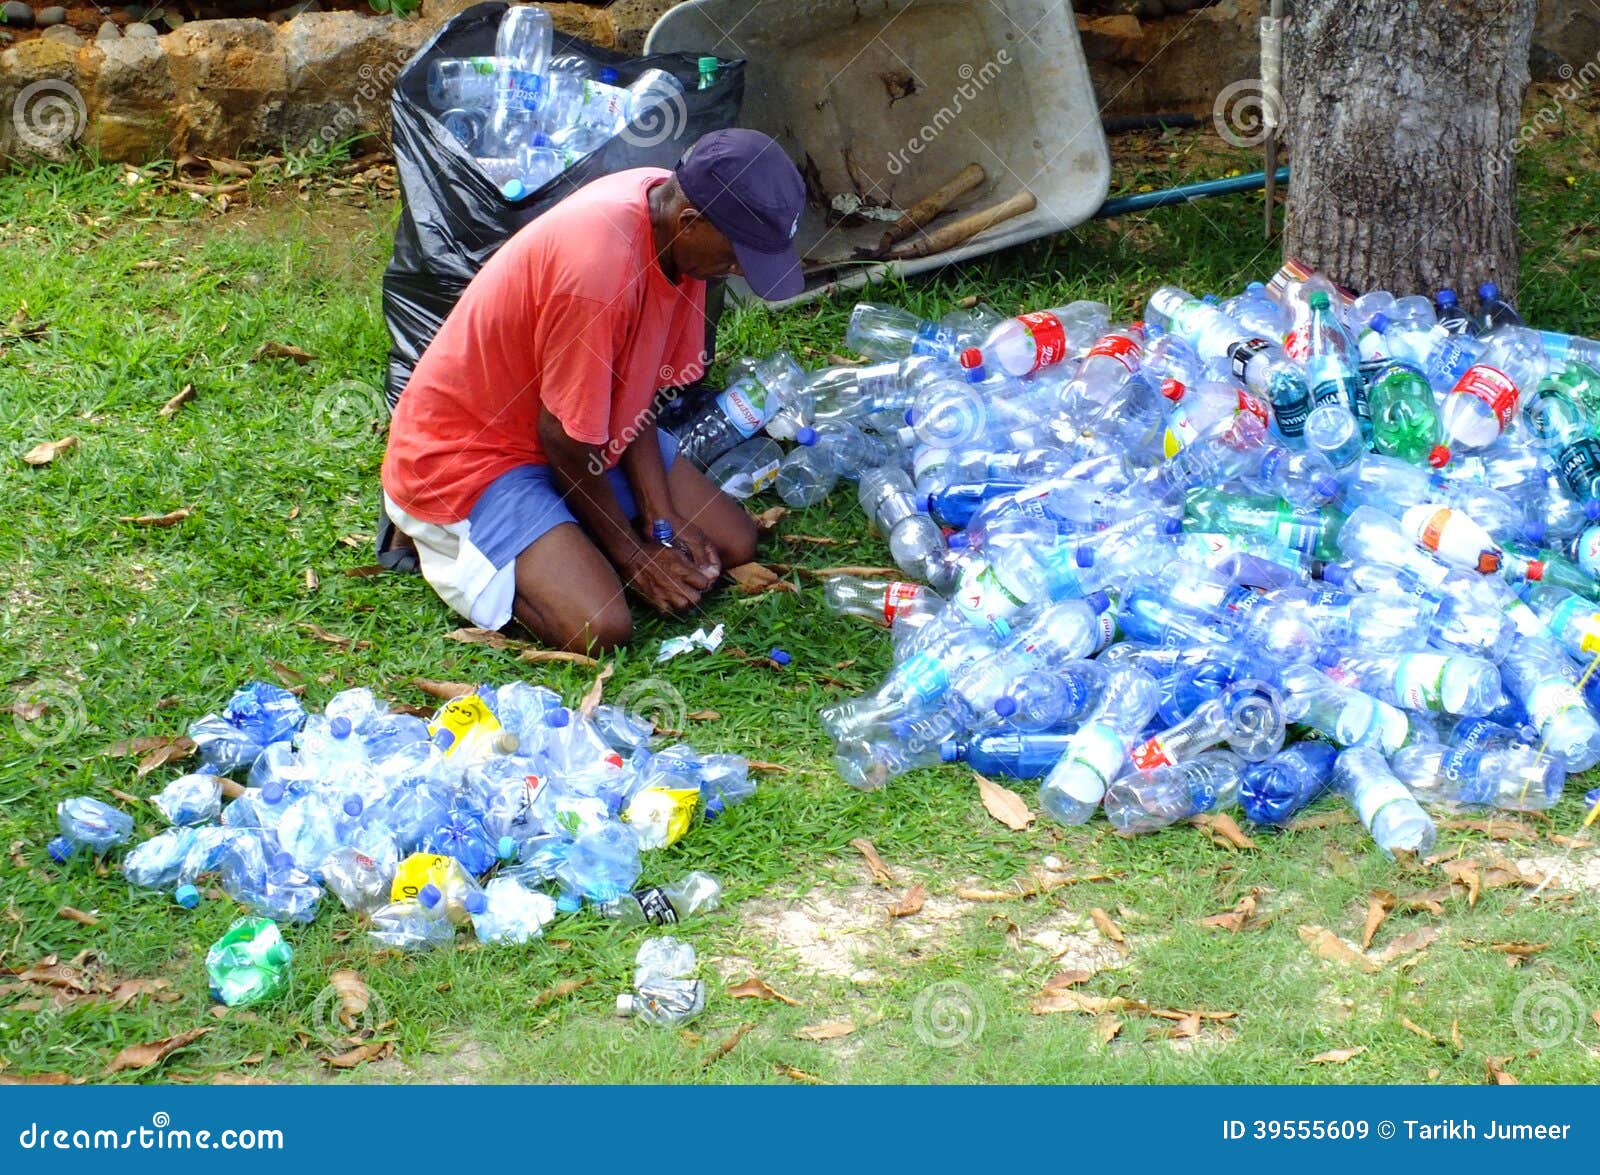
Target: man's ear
[{"x": 688, "y": 217}]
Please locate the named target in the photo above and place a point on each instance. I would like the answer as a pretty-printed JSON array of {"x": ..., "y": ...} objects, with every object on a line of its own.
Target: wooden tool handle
[
  {"x": 958, "y": 232},
  {"x": 925, "y": 209}
]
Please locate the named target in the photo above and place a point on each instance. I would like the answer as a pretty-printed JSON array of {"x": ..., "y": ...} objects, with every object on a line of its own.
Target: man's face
[{"x": 700, "y": 251}]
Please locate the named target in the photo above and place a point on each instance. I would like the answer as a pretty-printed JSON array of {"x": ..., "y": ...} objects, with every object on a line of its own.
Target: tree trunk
[{"x": 1402, "y": 116}]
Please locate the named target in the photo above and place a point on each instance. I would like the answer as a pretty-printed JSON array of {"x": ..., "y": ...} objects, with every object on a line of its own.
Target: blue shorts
[{"x": 472, "y": 563}]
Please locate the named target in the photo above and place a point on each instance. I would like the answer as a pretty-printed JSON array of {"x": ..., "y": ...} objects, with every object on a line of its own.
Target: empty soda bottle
[{"x": 249, "y": 963}]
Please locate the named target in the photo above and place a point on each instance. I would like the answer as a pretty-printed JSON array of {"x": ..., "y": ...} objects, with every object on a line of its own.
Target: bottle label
[
  {"x": 1291, "y": 416},
  {"x": 1099, "y": 751},
  {"x": 657, "y": 909},
  {"x": 524, "y": 89},
  {"x": 1550, "y": 698},
  {"x": 925, "y": 676},
  {"x": 1493, "y": 387},
  {"x": 1048, "y": 335},
  {"x": 1524, "y": 619},
  {"x": 1467, "y": 745},
  {"x": 1588, "y": 551},
  {"x": 1419, "y": 681},
  {"x": 1252, "y": 405},
  {"x": 1119, "y": 347},
  {"x": 896, "y": 596},
  {"x": 1150, "y": 754},
  {"x": 763, "y": 476},
  {"x": 984, "y": 598},
  {"x": 1298, "y": 345},
  {"x": 745, "y": 406},
  {"x": 1575, "y": 622},
  {"x": 1296, "y": 532},
  {"x": 933, "y": 339},
  {"x": 1579, "y": 465},
  {"x": 458, "y": 718},
  {"x": 1240, "y": 354},
  {"x": 1103, "y": 632},
  {"x": 1377, "y": 796},
  {"x": 1454, "y": 544}
]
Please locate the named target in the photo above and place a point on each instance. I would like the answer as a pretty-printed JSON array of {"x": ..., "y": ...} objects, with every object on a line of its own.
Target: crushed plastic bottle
[{"x": 249, "y": 963}]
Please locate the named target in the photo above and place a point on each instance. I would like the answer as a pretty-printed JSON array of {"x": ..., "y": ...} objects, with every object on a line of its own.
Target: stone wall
[{"x": 226, "y": 87}]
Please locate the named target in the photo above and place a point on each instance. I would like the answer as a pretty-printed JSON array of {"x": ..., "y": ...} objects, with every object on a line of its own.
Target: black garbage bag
[{"x": 453, "y": 217}]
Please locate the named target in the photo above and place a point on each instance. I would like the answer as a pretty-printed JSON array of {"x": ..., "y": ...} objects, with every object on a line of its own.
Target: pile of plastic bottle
[
  {"x": 1239, "y": 553},
  {"x": 527, "y": 116},
  {"x": 400, "y": 818}
]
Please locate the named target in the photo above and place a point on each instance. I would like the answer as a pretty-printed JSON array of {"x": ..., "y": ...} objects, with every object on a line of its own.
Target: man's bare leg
[
  {"x": 568, "y": 595},
  {"x": 720, "y": 518}
]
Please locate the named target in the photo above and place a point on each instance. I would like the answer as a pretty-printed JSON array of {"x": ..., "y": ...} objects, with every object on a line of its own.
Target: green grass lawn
[{"x": 131, "y": 295}]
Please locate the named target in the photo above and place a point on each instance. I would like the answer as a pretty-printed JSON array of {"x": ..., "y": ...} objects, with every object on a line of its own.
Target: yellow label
[
  {"x": 661, "y": 815},
  {"x": 1589, "y": 633},
  {"x": 461, "y": 721},
  {"x": 418, "y": 870}
]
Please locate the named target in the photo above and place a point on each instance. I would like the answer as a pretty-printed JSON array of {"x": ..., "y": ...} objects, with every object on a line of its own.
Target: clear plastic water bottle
[
  {"x": 665, "y": 905},
  {"x": 507, "y": 911},
  {"x": 742, "y": 409},
  {"x": 1011, "y": 755},
  {"x": 889, "y": 499},
  {"x": 1483, "y": 764},
  {"x": 1098, "y": 752},
  {"x": 1557, "y": 422},
  {"x": 1272, "y": 792},
  {"x": 524, "y": 39},
  {"x": 468, "y": 82},
  {"x": 1483, "y": 402},
  {"x": 650, "y": 91},
  {"x": 1332, "y": 363},
  {"x": 888, "y": 332},
  {"x": 748, "y": 468},
  {"x": 666, "y": 993},
  {"x": 1343, "y": 714},
  {"x": 1441, "y": 682},
  {"x": 408, "y": 925},
  {"x": 1143, "y": 801},
  {"x": 360, "y": 882},
  {"x": 1544, "y": 680},
  {"x": 88, "y": 823},
  {"x": 1494, "y": 311},
  {"x": 601, "y": 866},
  {"x": 1451, "y": 316},
  {"x": 1384, "y": 804}
]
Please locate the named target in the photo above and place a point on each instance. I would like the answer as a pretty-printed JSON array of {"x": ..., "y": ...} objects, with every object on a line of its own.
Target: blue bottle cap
[
  {"x": 1256, "y": 287},
  {"x": 1084, "y": 556},
  {"x": 340, "y": 727},
  {"x": 476, "y": 903},
  {"x": 558, "y": 718},
  {"x": 1173, "y": 526},
  {"x": 186, "y": 896},
  {"x": 959, "y": 541},
  {"x": 1327, "y": 656},
  {"x": 1591, "y": 509},
  {"x": 661, "y": 531},
  {"x": 506, "y": 850},
  {"x": 353, "y": 806},
  {"x": 61, "y": 849},
  {"x": 429, "y": 896},
  {"x": 924, "y": 502},
  {"x": 540, "y": 139},
  {"x": 950, "y": 752},
  {"x": 805, "y": 435},
  {"x": 778, "y": 657},
  {"x": 1097, "y": 601},
  {"x": 1448, "y": 297},
  {"x": 909, "y": 417},
  {"x": 608, "y": 76},
  {"x": 1488, "y": 291},
  {"x": 272, "y": 792},
  {"x": 1153, "y": 331},
  {"x": 1005, "y": 707},
  {"x": 1326, "y": 486},
  {"x": 1334, "y": 574},
  {"x": 1379, "y": 322},
  {"x": 514, "y": 189},
  {"x": 1535, "y": 531}
]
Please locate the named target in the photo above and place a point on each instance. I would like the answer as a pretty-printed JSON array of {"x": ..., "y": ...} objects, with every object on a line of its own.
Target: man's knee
[
  {"x": 611, "y": 629},
  {"x": 739, "y": 544},
  {"x": 575, "y": 632}
]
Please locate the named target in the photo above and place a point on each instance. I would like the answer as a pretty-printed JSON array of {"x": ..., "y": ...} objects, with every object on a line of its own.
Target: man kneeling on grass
[{"x": 524, "y": 461}]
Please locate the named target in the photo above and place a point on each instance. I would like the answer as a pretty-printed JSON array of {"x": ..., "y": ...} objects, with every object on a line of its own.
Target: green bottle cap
[
  {"x": 709, "y": 64},
  {"x": 1318, "y": 300}
]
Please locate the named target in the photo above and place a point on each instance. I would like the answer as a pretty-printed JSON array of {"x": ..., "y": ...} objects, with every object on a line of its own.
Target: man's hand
[
  {"x": 665, "y": 578},
  {"x": 697, "y": 547}
]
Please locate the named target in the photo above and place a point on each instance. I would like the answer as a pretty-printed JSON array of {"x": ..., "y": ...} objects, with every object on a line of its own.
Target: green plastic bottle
[
  {"x": 249, "y": 963},
  {"x": 1311, "y": 532},
  {"x": 1405, "y": 418},
  {"x": 1558, "y": 423},
  {"x": 708, "y": 73},
  {"x": 1542, "y": 566}
]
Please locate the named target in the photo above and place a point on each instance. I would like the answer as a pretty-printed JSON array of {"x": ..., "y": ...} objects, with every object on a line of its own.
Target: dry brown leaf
[
  {"x": 1417, "y": 940},
  {"x": 1004, "y": 804},
  {"x": 365, "y": 571},
  {"x": 857, "y": 572},
  {"x": 354, "y": 997},
  {"x": 1519, "y": 951},
  {"x": 333, "y": 638},
  {"x": 591, "y": 697},
  {"x": 143, "y": 1056},
  {"x": 274, "y": 350},
  {"x": 1233, "y": 921},
  {"x": 1429, "y": 902},
  {"x": 702, "y": 716},
  {"x": 1328, "y": 818},
  {"x": 869, "y": 853},
  {"x": 755, "y": 578},
  {"x": 915, "y": 898},
  {"x": 373, "y": 1050},
  {"x": 170, "y": 408},
  {"x": 827, "y": 1030},
  {"x": 445, "y": 691},
  {"x": 73, "y": 914},
  {"x": 1188, "y": 1026},
  {"x": 799, "y": 1075},
  {"x": 1467, "y": 875},
  {"x": 1377, "y": 910},
  {"x": 1337, "y": 1056},
  {"x": 812, "y": 540},
  {"x": 129, "y": 990},
  {"x": 47, "y": 451},
  {"x": 726, "y": 1046},
  {"x": 1411, "y": 1025},
  {"x": 18, "y": 861},
  {"x": 178, "y": 749},
  {"x": 764, "y": 765},
  {"x": 1223, "y": 830},
  {"x": 1495, "y": 829},
  {"x": 170, "y": 518},
  {"x": 1107, "y": 1027},
  {"x": 1067, "y": 979},
  {"x": 38, "y": 1079},
  {"x": 1328, "y": 945},
  {"x": 770, "y": 517},
  {"x": 559, "y": 992},
  {"x": 1494, "y": 1067},
  {"x": 1184, "y": 1013},
  {"x": 1067, "y": 999},
  {"x": 1102, "y": 923},
  {"x": 49, "y": 973},
  {"x": 1036, "y": 885},
  {"x": 311, "y": 580},
  {"x": 229, "y": 1077},
  {"x": 27, "y": 711},
  {"x": 755, "y": 988},
  {"x": 486, "y": 636},
  {"x": 285, "y": 674},
  {"x": 1455, "y": 1036},
  {"x": 553, "y": 656}
]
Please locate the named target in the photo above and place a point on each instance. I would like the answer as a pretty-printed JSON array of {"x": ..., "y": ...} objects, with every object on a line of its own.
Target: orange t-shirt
[{"x": 572, "y": 314}]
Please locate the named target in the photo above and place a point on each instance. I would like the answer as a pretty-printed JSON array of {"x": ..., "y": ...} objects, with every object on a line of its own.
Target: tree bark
[{"x": 1402, "y": 115}]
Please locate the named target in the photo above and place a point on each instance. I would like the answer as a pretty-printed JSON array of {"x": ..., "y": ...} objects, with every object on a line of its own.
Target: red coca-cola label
[
  {"x": 1493, "y": 387},
  {"x": 1119, "y": 347},
  {"x": 1298, "y": 344},
  {"x": 1150, "y": 754},
  {"x": 896, "y": 596},
  {"x": 1252, "y": 405},
  {"x": 1049, "y": 337}
]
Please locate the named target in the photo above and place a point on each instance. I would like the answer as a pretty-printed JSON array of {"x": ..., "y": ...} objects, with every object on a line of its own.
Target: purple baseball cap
[{"x": 744, "y": 184}]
